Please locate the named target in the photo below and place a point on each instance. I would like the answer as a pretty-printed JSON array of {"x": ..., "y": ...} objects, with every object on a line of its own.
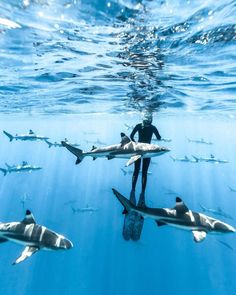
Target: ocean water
[{"x": 82, "y": 70}]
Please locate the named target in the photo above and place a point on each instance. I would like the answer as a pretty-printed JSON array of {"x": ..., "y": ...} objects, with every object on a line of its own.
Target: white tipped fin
[
  {"x": 28, "y": 251},
  {"x": 132, "y": 160},
  {"x": 29, "y": 218},
  {"x": 199, "y": 236}
]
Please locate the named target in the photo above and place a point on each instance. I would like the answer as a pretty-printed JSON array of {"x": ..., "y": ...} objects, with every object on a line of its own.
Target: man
[{"x": 145, "y": 132}]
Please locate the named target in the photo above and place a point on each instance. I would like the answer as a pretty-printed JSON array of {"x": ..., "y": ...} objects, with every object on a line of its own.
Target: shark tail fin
[
  {"x": 123, "y": 170},
  {"x": 77, "y": 152},
  {"x": 79, "y": 157},
  {"x": 11, "y": 137},
  {"x": 195, "y": 158},
  {"x": 48, "y": 143},
  {"x": 4, "y": 171},
  {"x": 128, "y": 206},
  {"x": 172, "y": 158}
]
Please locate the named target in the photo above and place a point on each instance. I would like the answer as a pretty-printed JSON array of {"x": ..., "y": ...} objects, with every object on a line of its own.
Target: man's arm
[
  {"x": 157, "y": 134},
  {"x": 134, "y": 132}
]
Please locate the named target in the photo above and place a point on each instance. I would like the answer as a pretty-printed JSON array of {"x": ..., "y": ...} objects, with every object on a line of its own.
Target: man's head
[{"x": 147, "y": 119}]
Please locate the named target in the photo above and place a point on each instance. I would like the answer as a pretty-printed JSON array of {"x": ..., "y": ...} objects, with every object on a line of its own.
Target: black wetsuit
[{"x": 144, "y": 135}]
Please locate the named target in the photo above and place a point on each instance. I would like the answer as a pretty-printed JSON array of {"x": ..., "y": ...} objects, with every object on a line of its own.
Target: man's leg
[
  {"x": 146, "y": 163},
  {"x": 137, "y": 165}
]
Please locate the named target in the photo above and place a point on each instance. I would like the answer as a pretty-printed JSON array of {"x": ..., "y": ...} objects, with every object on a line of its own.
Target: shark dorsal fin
[
  {"x": 31, "y": 132},
  {"x": 93, "y": 148},
  {"x": 29, "y": 218},
  {"x": 124, "y": 139},
  {"x": 180, "y": 207}
]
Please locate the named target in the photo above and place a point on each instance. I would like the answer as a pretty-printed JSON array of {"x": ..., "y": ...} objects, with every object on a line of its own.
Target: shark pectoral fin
[
  {"x": 199, "y": 236},
  {"x": 28, "y": 251},
  {"x": 125, "y": 211},
  {"x": 132, "y": 160},
  {"x": 160, "y": 223},
  {"x": 110, "y": 157},
  {"x": 2, "y": 240},
  {"x": 29, "y": 218}
]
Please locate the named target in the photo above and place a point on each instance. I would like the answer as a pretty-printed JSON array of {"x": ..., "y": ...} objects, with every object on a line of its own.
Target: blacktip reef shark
[
  {"x": 33, "y": 236},
  {"x": 59, "y": 144},
  {"x": 126, "y": 149},
  {"x": 200, "y": 141},
  {"x": 24, "y": 167},
  {"x": 31, "y": 136},
  {"x": 184, "y": 159},
  {"x": 84, "y": 209},
  {"x": 130, "y": 172},
  {"x": 180, "y": 217},
  {"x": 211, "y": 159},
  {"x": 217, "y": 211}
]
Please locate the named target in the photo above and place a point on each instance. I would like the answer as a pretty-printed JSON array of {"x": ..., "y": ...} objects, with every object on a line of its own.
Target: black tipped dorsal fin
[
  {"x": 29, "y": 218},
  {"x": 124, "y": 139},
  {"x": 180, "y": 207}
]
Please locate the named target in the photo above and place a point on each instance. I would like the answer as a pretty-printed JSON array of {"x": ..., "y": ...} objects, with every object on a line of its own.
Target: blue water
[{"x": 83, "y": 69}]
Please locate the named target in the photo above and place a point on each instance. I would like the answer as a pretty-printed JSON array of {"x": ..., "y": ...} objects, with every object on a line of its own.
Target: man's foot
[
  {"x": 141, "y": 202},
  {"x": 132, "y": 197}
]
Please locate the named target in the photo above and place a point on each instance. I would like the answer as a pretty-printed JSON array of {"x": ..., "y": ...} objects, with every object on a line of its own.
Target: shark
[
  {"x": 211, "y": 159},
  {"x": 55, "y": 144},
  {"x": 217, "y": 211},
  {"x": 58, "y": 144},
  {"x": 24, "y": 167},
  {"x": 126, "y": 149},
  {"x": 130, "y": 172},
  {"x": 184, "y": 159},
  {"x": 84, "y": 209},
  {"x": 200, "y": 141},
  {"x": 33, "y": 236},
  {"x": 31, "y": 136},
  {"x": 180, "y": 216}
]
